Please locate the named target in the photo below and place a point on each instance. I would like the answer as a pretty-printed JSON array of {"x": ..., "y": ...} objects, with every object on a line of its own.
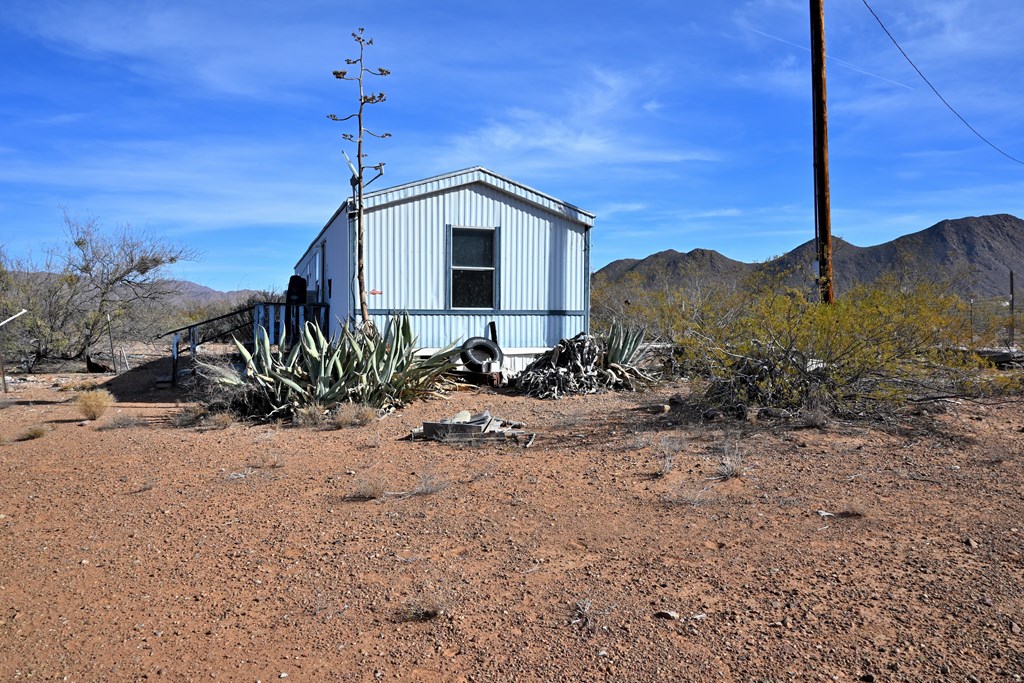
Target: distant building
[{"x": 457, "y": 252}]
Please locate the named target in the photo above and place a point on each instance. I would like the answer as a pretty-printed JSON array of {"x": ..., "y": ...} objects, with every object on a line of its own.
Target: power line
[{"x": 934, "y": 89}]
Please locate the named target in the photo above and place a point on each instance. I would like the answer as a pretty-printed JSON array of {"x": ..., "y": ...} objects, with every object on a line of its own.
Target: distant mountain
[
  {"x": 978, "y": 253},
  {"x": 190, "y": 292}
]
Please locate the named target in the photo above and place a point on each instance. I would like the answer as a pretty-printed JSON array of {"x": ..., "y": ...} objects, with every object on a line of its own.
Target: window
[{"x": 473, "y": 259}]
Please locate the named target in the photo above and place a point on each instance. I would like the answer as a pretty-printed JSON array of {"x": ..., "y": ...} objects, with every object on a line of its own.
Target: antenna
[{"x": 355, "y": 174}]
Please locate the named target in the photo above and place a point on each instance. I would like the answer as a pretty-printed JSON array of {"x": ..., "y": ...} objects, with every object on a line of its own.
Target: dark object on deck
[
  {"x": 93, "y": 366},
  {"x": 478, "y": 352},
  {"x": 296, "y": 296}
]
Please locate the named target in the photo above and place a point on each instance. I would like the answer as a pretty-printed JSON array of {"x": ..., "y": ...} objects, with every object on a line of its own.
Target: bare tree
[
  {"x": 358, "y": 181},
  {"x": 93, "y": 280}
]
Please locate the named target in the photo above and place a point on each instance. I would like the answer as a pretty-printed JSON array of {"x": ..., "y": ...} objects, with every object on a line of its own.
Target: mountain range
[{"x": 976, "y": 254}]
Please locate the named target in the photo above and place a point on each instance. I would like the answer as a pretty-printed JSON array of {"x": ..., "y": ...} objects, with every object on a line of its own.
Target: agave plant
[
  {"x": 622, "y": 345},
  {"x": 368, "y": 368}
]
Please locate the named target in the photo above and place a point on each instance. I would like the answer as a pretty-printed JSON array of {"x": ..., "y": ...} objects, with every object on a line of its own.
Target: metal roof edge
[
  {"x": 479, "y": 174},
  {"x": 322, "y": 231}
]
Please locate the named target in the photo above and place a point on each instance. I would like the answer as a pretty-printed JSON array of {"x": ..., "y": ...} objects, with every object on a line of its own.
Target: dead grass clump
[
  {"x": 122, "y": 421},
  {"x": 419, "y": 611},
  {"x": 587, "y": 617},
  {"x": 218, "y": 421},
  {"x": 814, "y": 418},
  {"x": 428, "y": 484},
  {"x": 33, "y": 432},
  {"x": 309, "y": 417},
  {"x": 351, "y": 415},
  {"x": 730, "y": 468},
  {"x": 81, "y": 385},
  {"x": 189, "y": 416},
  {"x": 366, "y": 490},
  {"x": 668, "y": 449},
  {"x": 688, "y": 498},
  {"x": 270, "y": 461},
  {"x": 93, "y": 403}
]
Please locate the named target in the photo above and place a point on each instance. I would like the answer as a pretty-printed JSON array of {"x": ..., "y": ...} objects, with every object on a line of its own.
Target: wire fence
[{"x": 994, "y": 321}]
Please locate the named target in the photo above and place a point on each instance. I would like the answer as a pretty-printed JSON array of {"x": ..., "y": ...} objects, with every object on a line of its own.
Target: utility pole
[{"x": 822, "y": 211}]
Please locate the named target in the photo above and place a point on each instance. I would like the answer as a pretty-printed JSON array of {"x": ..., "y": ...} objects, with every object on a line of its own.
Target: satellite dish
[{"x": 351, "y": 167}]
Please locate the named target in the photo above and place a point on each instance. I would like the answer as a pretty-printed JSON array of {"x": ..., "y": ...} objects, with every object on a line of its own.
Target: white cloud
[{"x": 596, "y": 126}]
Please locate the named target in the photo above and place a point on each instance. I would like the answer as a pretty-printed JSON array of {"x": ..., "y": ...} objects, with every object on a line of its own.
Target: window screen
[{"x": 473, "y": 268}]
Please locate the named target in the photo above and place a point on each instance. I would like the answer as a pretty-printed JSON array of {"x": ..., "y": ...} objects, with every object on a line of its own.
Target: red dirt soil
[{"x": 842, "y": 553}]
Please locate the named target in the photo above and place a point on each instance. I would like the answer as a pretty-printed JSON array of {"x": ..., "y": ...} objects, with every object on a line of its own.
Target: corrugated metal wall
[
  {"x": 541, "y": 266},
  {"x": 540, "y": 330}
]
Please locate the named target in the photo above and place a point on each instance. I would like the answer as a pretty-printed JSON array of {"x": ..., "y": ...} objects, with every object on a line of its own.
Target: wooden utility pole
[{"x": 822, "y": 211}]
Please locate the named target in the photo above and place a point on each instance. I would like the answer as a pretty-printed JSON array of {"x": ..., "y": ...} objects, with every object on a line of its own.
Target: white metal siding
[
  {"x": 514, "y": 331},
  {"x": 541, "y": 270},
  {"x": 405, "y": 254}
]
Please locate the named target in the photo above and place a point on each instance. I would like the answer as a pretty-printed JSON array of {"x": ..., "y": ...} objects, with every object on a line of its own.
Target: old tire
[{"x": 477, "y": 352}]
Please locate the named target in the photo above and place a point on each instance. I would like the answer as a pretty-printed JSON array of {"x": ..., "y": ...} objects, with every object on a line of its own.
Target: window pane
[
  {"x": 473, "y": 248},
  {"x": 472, "y": 289}
]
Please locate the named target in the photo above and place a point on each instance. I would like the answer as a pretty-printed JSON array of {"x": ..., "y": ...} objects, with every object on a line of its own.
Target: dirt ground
[{"x": 616, "y": 547}]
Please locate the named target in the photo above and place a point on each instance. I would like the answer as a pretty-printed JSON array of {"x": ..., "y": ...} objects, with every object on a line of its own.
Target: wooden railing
[
  {"x": 287, "y": 320},
  {"x": 281, "y": 321}
]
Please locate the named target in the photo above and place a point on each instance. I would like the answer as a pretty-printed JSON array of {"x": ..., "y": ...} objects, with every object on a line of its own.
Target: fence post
[{"x": 1013, "y": 315}]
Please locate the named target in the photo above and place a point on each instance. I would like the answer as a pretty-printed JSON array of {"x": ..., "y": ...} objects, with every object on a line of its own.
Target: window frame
[{"x": 493, "y": 269}]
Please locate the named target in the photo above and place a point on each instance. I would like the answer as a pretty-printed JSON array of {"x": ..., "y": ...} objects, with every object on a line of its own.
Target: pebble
[
  {"x": 666, "y": 614},
  {"x": 970, "y": 543},
  {"x": 1015, "y": 628}
]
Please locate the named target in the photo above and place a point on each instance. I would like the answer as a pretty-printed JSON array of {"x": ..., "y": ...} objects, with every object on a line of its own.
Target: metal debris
[{"x": 467, "y": 427}]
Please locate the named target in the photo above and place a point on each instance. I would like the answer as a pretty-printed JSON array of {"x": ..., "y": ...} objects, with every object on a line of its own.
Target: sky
[{"x": 681, "y": 125}]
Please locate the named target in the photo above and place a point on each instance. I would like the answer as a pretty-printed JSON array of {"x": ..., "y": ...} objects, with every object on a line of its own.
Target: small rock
[
  {"x": 677, "y": 400},
  {"x": 987, "y": 602},
  {"x": 867, "y": 678},
  {"x": 666, "y": 614},
  {"x": 1015, "y": 628},
  {"x": 970, "y": 543},
  {"x": 282, "y": 675},
  {"x": 713, "y": 415}
]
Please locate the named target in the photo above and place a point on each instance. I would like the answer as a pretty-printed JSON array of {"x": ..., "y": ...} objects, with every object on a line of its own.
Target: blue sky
[{"x": 680, "y": 124}]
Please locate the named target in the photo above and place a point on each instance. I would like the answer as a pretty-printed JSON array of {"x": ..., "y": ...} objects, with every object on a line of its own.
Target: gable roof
[
  {"x": 455, "y": 179},
  {"x": 477, "y": 174}
]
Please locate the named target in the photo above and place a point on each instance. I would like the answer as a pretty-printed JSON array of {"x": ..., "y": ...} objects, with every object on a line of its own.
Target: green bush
[{"x": 766, "y": 344}]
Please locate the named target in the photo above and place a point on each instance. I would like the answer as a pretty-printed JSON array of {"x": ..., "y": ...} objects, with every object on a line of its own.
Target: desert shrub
[
  {"x": 880, "y": 342},
  {"x": 33, "y": 432},
  {"x": 351, "y": 415},
  {"x": 365, "y": 367},
  {"x": 771, "y": 345},
  {"x": 92, "y": 404}
]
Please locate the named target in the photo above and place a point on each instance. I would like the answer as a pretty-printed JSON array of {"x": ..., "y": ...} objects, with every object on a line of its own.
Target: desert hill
[{"x": 978, "y": 253}]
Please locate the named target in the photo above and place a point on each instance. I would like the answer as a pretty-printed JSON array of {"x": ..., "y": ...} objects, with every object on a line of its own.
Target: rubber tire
[{"x": 478, "y": 351}]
